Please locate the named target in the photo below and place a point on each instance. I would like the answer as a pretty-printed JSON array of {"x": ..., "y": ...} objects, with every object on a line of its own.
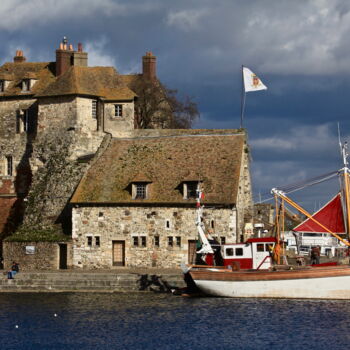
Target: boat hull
[{"x": 314, "y": 283}]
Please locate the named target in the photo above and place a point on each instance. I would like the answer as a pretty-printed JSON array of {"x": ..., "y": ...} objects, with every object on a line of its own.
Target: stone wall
[
  {"x": 108, "y": 224},
  {"x": 45, "y": 256},
  {"x": 113, "y": 124}
]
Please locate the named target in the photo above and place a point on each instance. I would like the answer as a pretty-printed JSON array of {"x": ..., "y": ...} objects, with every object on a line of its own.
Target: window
[
  {"x": 223, "y": 240},
  {"x": 229, "y": 251},
  {"x": 135, "y": 241},
  {"x": 170, "y": 241},
  {"x": 190, "y": 190},
  {"x": 22, "y": 121},
  {"x": 260, "y": 247},
  {"x": 2, "y": 85},
  {"x": 100, "y": 214},
  {"x": 89, "y": 241},
  {"x": 156, "y": 241},
  {"x": 239, "y": 251},
  {"x": 25, "y": 120},
  {"x": 178, "y": 241},
  {"x": 9, "y": 163},
  {"x": 212, "y": 224},
  {"x": 25, "y": 85},
  {"x": 97, "y": 241},
  {"x": 94, "y": 109},
  {"x": 167, "y": 224},
  {"x": 118, "y": 110},
  {"x": 140, "y": 190},
  {"x": 143, "y": 241}
]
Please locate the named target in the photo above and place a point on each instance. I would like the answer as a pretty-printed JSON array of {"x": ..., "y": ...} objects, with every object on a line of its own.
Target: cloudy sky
[{"x": 298, "y": 48}]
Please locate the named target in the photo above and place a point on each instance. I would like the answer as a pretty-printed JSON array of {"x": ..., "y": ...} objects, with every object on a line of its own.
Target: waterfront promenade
[{"x": 114, "y": 280}]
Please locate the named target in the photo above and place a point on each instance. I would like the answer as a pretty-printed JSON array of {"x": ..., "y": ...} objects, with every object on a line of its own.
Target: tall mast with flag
[{"x": 250, "y": 82}]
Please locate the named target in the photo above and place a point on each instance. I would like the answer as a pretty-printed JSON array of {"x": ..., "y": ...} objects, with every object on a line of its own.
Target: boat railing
[{"x": 266, "y": 257}]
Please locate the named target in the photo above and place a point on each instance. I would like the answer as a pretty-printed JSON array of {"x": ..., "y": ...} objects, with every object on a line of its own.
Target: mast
[
  {"x": 206, "y": 246},
  {"x": 243, "y": 95},
  {"x": 345, "y": 170}
]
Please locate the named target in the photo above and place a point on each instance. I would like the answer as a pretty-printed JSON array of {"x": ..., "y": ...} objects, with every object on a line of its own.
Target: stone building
[
  {"x": 135, "y": 206},
  {"x": 62, "y": 119},
  {"x": 53, "y": 119}
]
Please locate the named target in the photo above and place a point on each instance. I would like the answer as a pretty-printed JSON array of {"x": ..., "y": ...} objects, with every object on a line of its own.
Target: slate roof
[
  {"x": 102, "y": 82},
  {"x": 44, "y": 72},
  {"x": 166, "y": 161}
]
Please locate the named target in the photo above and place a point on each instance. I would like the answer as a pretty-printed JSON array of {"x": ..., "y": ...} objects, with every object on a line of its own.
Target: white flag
[{"x": 251, "y": 81}]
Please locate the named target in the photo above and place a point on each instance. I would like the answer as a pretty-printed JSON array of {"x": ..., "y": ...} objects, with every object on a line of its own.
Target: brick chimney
[
  {"x": 66, "y": 57},
  {"x": 149, "y": 66},
  {"x": 19, "y": 58}
]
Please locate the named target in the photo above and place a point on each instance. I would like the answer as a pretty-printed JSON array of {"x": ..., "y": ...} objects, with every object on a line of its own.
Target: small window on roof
[
  {"x": 139, "y": 190},
  {"x": 25, "y": 85},
  {"x": 190, "y": 189}
]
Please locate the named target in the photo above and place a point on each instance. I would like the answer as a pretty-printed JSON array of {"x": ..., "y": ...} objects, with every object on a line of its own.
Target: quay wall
[{"x": 70, "y": 281}]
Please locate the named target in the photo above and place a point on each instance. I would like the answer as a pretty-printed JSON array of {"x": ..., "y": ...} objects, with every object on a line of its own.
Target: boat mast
[
  {"x": 345, "y": 170},
  {"x": 206, "y": 246}
]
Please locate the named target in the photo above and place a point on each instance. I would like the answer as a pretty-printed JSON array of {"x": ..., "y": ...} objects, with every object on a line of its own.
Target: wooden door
[
  {"x": 192, "y": 247},
  {"x": 118, "y": 253},
  {"x": 63, "y": 256}
]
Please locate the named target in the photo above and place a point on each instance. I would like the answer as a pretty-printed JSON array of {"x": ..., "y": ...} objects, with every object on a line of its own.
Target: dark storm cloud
[{"x": 298, "y": 48}]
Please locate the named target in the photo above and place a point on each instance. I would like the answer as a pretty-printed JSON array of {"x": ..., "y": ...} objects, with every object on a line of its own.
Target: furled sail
[{"x": 330, "y": 215}]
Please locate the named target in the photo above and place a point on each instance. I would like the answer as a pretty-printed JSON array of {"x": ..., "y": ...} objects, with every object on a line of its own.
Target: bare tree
[{"x": 159, "y": 107}]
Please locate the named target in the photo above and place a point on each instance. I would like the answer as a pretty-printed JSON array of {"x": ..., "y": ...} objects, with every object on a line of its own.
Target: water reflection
[{"x": 161, "y": 321}]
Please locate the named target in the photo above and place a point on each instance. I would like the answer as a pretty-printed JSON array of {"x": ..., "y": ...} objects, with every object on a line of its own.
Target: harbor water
[{"x": 163, "y": 321}]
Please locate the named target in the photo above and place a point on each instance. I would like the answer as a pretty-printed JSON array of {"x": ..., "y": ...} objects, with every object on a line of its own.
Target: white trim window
[
  {"x": 118, "y": 110},
  {"x": 139, "y": 190},
  {"x": 190, "y": 189},
  {"x": 26, "y": 85}
]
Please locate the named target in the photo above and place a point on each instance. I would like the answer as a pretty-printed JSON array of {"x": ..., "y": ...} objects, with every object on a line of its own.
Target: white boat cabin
[{"x": 255, "y": 253}]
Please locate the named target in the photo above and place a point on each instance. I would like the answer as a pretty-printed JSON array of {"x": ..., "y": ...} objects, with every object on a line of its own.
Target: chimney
[
  {"x": 149, "y": 66},
  {"x": 67, "y": 57},
  {"x": 19, "y": 58}
]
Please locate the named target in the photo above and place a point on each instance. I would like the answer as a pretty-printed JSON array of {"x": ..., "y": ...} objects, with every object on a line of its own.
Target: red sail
[{"x": 330, "y": 216}]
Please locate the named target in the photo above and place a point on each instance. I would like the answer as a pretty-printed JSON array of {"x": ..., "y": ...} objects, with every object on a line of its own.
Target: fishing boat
[{"x": 254, "y": 269}]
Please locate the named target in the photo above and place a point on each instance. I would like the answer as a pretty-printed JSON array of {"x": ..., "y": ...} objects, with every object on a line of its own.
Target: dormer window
[
  {"x": 139, "y": 190},
  {"x": 25, "y": 85},
  {"x": 4, "y": 82},
  {"x": 190, "y": 189}
]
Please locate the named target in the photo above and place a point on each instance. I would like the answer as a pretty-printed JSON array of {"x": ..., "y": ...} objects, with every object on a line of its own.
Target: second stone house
[{"x": 135, "y": 206}]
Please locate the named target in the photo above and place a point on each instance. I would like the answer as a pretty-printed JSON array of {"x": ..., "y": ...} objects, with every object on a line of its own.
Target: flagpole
[{"x": 242, "y": 99}]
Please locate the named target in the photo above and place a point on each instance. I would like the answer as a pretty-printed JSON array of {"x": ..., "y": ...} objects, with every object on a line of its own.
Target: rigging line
[
  {"x": 309, "y": 182},
  {"x": 291, "y": 189}
]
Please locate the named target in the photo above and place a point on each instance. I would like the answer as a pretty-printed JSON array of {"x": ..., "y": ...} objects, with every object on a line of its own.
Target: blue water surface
[{"x": 162, "y": 321}]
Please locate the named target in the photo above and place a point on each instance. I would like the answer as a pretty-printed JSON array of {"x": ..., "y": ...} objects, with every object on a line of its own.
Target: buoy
[
  {"x": 55, "y": 315},
  {"x": 16, "y": 326}
]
